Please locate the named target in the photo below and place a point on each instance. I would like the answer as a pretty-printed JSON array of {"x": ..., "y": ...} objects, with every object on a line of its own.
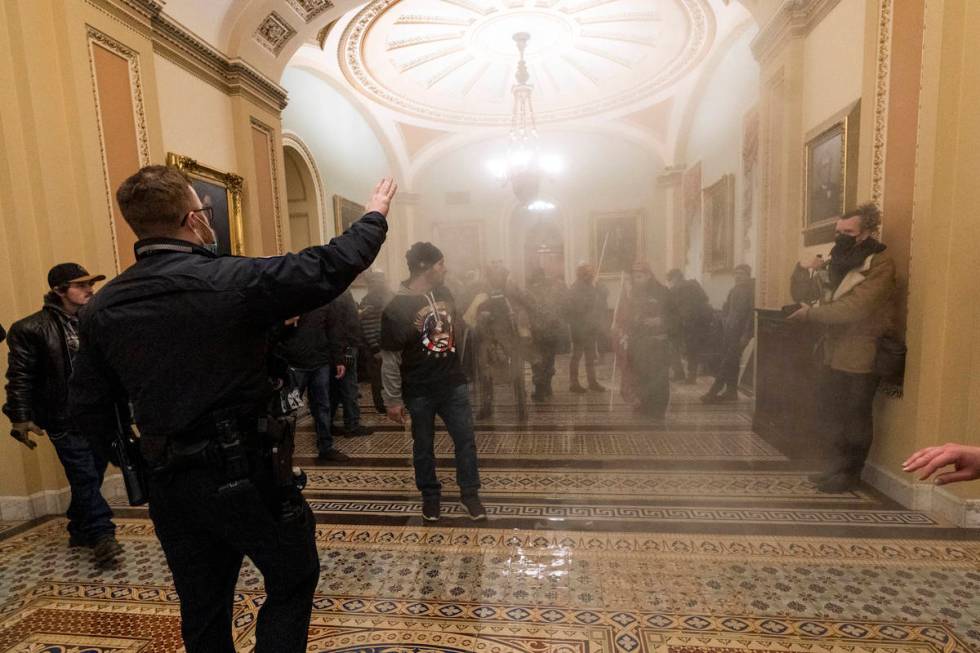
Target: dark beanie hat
[{"x": 422, "y": 256}]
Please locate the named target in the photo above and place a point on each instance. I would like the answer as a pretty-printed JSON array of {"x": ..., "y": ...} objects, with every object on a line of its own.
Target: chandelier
[{"x": 524, "y": 165}]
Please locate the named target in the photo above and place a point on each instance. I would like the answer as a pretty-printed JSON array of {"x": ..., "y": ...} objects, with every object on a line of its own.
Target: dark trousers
[
  {"x": 316, "y": 384},
  {"x": 374, "y": 370},
  {"x": 849, "y": 406},
  {"x": 694, "y": 346},
  {"x": 582, "y": 347},
  {"x": 89, "y": 516},
  {"x": 205, "y": 537},
  {"x": 453, "y": 406},
  {"x": 345, "y": 392},
  {"x": 728, "y": 368},
  {"x": 649, "y": 360},
  {"x": 543, "y": 366}
]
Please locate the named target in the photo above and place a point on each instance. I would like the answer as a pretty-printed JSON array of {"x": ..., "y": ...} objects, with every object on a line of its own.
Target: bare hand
[
  {"x": 341, "y": 371},
  {"x": 380, "y": 202},
  {"x": 817, "y": 263},
  {"x": 293, "y": 321},
  {"x": 800, "y": 315},
  {"x": 965, "y": 461},
  {"x": 21, "y": 432},
  {"x": 397, "y": 413}
]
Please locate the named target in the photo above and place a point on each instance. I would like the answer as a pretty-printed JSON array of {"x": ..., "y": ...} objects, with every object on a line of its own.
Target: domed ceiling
[{"x": 454, "y": 61}]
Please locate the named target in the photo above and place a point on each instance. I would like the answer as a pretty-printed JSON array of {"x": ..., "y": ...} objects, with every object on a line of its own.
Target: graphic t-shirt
[{"x": 423, "y": 329}]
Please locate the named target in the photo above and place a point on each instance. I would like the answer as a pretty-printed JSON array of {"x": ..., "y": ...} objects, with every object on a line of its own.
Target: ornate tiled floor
[{"x": 607, "y": 535}]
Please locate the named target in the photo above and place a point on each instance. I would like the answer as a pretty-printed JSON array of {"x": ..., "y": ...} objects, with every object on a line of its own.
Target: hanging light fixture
[{"x": 524, "y": 164}]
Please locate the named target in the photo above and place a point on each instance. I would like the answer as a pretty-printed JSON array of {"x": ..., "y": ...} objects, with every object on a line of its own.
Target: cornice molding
[
  {"x": 171, "y": 40},
  {"x": 794, "y": 19}
]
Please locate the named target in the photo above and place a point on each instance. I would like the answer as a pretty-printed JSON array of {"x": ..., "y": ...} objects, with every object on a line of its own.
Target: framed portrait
[
  {"x": 223, "y": 192},
  {"x": 830, "y": 175},
  {"x": 719, "y": 225},
  {"x": 345, "y": 213},
  {"x": 617, "y": 241},
  {"x": 462, "y": 243}
]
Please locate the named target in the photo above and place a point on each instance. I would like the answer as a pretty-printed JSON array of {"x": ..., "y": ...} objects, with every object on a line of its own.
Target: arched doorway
[
  {"x": 303, "y": 197},
  {"x": 544, "y": 242}
]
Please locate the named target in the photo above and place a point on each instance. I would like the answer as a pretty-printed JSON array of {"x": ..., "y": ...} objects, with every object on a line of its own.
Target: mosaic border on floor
[
  {"x": 591, "y": 446},
  {"x": 566, "y": 484}
]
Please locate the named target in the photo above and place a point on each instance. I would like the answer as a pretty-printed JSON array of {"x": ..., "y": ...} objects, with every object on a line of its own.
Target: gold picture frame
[
  {"x": 620, "y": 233},
  {"x": 345, "y": 213},
  {"x": 718, "y": 208},
  {"x": 221, "y": 190},
  {"x": 830, "y": 174}
]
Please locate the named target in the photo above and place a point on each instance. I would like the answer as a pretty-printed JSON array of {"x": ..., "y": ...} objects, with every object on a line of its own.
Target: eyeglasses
[{"x": 206, "y": 211}]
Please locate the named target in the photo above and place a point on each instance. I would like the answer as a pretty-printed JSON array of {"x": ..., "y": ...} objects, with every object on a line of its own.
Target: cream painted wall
[
  {"x": 832, "y": 63},
  {"x": 195, "y": 117},
  {"x": 715, "y": 139}
]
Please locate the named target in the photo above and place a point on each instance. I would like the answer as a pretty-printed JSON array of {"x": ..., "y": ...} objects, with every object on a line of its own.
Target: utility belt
[{"x": 237, "y": 447}]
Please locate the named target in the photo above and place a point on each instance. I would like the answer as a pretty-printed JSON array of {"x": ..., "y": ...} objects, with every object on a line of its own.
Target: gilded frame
[
  {"x": 233, "y": 186},
  {"x": 845, "y": 126},
  {"x": 343, "y": 208},
  {"x": 625, "y": 249},
  {"x": 718, "y": 207}
]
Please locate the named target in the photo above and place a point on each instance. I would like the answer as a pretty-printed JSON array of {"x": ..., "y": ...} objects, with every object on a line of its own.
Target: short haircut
[
  {"x": 869, "y": 213},
  {"x": 154, "y": 200}
]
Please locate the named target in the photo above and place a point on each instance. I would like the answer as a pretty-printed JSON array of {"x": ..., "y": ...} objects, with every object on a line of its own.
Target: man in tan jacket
[{"x": 857, "y": 309}]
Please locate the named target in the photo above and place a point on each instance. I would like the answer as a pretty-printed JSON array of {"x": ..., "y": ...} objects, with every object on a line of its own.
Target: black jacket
[
  {"x": 183, "y": 334},
  {"x": 315, "y": 341},
  {"x": 38, "y": 366}
]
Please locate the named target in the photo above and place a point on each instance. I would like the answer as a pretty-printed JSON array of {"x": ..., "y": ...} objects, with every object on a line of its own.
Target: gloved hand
[{"x": 21, "y": 432}]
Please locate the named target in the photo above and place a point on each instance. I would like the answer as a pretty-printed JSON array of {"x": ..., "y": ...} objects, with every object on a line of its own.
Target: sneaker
[
  {"x": 577, "y": 389},
  {"x": 333, "y": 455},
  {"x": 107, "y": 549},
  {"x": 474, "y": 507},
  {"x": 430, "y": 508},
  {"x": 358, "y": 431}
]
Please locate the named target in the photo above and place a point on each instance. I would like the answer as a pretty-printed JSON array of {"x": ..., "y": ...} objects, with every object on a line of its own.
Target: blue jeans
[
  {"x": 89, "y": 516},
  {"x": 453, "y": 406},
  {"x": 344, "y": 392},
  {"x": 316, "y": 383}
]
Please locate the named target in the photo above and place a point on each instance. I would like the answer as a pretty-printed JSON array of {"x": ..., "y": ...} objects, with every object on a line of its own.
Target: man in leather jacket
[{"x": 42, "y": 348}]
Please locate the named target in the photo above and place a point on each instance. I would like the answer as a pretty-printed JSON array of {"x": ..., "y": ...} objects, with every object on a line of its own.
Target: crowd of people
[{"x": 206, "y": 354}]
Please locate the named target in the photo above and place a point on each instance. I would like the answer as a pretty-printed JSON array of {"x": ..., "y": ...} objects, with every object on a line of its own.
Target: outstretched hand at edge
[{"x": 965, "y": 461}]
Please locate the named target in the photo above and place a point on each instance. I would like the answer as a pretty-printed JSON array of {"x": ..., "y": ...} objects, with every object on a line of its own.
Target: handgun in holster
[
  {"x": 126, "y": 447},
  {"x": 280, "y": 433},
  {"x": 232, "y": 456}
]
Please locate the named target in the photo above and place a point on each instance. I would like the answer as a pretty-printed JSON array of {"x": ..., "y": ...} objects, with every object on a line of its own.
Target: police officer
[{"x": 183, "y": 336}]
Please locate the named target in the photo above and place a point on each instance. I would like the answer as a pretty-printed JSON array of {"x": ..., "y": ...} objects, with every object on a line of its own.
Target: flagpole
[{"x": 612, "y": 380}]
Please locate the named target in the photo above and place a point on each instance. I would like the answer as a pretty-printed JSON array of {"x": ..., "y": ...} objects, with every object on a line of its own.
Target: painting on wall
[
  {"x": 830, "y": 174},
  {"x": 617, "y": 241},
  {"x": 345, "y": 213},
  {"x": 222, "y": 191},
  {"x": 462, "y": 244},
  {"x": 690, "y": 202},
  {"x": 719, "y": 225}
]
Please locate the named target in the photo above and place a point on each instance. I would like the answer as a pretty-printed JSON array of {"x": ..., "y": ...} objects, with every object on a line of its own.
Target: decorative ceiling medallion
[
  {"x": 310, "y": 9},
  {"x": 273, "y": 33},
  {"x": 453, "y": 61}
]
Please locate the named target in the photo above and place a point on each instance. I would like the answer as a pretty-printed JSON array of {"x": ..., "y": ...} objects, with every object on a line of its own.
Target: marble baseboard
[
  {"x": 934, "y": 500},
  {"x": 52, "y": 502}
]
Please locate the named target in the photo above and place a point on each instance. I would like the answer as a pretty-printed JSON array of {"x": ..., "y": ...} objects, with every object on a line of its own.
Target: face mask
[
  {"x": 845, "y": 241},
  {"x": 213, "y": 245}
]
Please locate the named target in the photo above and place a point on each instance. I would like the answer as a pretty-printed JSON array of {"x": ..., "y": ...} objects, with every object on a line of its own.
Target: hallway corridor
[{"x": 605, "y": 535}]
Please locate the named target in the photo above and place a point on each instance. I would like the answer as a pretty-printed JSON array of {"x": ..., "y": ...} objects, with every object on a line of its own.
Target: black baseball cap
[{"x": 66, "y": 273}]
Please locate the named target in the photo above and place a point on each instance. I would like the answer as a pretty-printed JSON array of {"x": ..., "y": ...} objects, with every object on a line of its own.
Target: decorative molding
[
  {"x": 701, "y": 27},
  {"x": 273, "y": 33},
  {"x": 882, "y": 82},
  {"x": 310, "y": 9},
  {"x": 53, "y": 502},
  {"x": 271, "y": 134},
  {"x": 293, "y": 140},
  {"x": 97, "y": 38},
  {"x": 794, "y": 19},
  {"x": 935, "y": 500},
  {"x": 173, "y": 42}
]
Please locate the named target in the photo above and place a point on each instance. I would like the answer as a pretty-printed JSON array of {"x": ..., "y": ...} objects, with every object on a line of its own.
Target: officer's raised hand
[{"x": 381, "y": 199}]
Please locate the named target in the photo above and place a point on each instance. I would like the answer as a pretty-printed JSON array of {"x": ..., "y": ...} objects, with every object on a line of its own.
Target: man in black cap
[
  {"x": 421, "y": 373},
  {"x": 42, "y": 348}
]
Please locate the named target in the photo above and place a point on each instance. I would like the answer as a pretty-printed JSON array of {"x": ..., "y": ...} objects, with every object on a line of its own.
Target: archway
[
  {"x": 541, "y": 243},
  {"x": 303, "y": 201}
]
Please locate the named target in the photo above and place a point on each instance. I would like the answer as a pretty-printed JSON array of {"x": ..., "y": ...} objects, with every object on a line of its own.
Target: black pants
[
  {"x": 728, "y": 368},
  {"x": 374, "y": 369},
  {"x": 583, "y": 346},
  {"x": 205, "y": 537},
  {"x": 649, "y": 359},
  {"x": 849, "y": 406},
  {"x": 543, "y": 366}
]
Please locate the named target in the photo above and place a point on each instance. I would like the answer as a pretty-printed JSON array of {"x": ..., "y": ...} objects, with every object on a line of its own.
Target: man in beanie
[
  {"x": 42, "y": 347},
  {"x": 423, "y": 378}
]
